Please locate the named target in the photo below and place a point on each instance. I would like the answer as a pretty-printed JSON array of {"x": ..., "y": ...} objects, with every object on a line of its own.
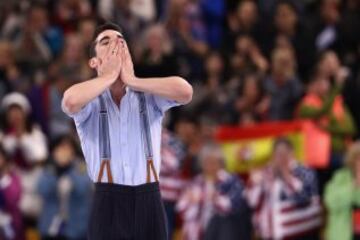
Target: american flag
[
  {"x": 202, "y": 199},
  {"x": 172, "y": 153},
  {"x": 286, "y": 209}
]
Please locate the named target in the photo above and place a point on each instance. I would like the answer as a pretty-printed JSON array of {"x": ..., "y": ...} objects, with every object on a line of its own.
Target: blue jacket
[{"x": 79, "y": 201}]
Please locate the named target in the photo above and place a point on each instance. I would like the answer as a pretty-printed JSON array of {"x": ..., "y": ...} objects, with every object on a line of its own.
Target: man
[
  {"x": 284, "y": 197},
  {"x": 212, "y": 201},
  {"x": 118, "y": 118}
]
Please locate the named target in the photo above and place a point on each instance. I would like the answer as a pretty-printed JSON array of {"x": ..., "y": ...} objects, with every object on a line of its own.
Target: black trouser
[{"x": 122, "y": 212}]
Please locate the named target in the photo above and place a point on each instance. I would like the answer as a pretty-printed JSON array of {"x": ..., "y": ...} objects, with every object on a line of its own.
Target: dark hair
[
  {"x": 65, "y": 139},
  {"x": 283, "y": 141},
  {"x": 100, "y": 29},
  {"x": 29, "y": 123}
]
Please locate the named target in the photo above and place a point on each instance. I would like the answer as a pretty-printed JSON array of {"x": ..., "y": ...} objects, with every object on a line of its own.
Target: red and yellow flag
[{"x": 246, "y": 148}]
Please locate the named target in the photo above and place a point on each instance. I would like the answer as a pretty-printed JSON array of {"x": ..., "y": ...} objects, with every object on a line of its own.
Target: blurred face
[
  {"x": 16, "y": 116},
  {"x": 73, "y": 49},
  {"x": 214, "y": 64},
  {"x": 38, "y": 19},
  {"x": 283, "y": 63},
  {"x": 5, "y": 54},
  {"x": 185, "y": 130},
  {"x": 244, "y": 44},
  {"x": 251, "y": 90},
  {"x": 155, "y": 40},
  {"x": 285, "y": 18},
  {"x": 64, "y": 154},
  {"x": 322, "y": 86},
  {"x": 329, "y": 64},
  {"x": 247, "y": 13},
  {"x": 87, "y": 30},
  {"x": 330, "y": 11},
  {"x": 210, "y": 166},
  {"x": 282, "y": 155}
]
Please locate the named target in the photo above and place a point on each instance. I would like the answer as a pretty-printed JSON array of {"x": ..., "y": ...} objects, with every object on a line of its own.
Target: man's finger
[{"x": 112, "y": 45}]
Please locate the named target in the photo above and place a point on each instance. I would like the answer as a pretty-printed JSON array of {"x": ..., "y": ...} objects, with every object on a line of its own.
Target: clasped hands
[{"x": 117, "y": 63}]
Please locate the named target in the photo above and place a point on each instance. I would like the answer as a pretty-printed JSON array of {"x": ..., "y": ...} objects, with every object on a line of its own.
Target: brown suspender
[
  {"x": 150, "y": 166},
  {"x": 105, "y": 163}
]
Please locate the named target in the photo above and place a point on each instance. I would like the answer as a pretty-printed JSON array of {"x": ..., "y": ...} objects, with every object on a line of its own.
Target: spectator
[
  {"x": 283, "y": 86},
  {"x": 73, "y": 61},
  {"x": 342, "y": 199},
  {"x": 211, "y": 194},
  {"x": 59, "y": 122},
  {"x": 26, "y": 145},
  {"x": 38, "y": 42},
  {"x": 324, "y": 105},
  {"x": 284, "y": 197},
  {"x": 245, "y": 20},
  {"x": 23, "y": 140},
  {"x": 131, "y": 24},
  {"x": 327, "y": 28},
  {"x": 212, "y": 92},
  {"x": 187, "y": 32},
  {"x": 250, "y": 106},
  {"x": 157, "y": 57},
  {"x": 66, "y": 193},
  {"x": 288, "y": 25},
  {"x": 172, "y": 180},
  {"x": 187, "y": 129},
  {"x": 67, "y": 13},
  {"x": 86, "y": 30},
  {"x": 10, "y": 193},
  {"x": 247, "y": 58},
  {"x": 10, "y": 74}
]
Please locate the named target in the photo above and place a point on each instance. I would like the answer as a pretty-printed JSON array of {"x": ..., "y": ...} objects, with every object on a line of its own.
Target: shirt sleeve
[
  {"x": 83, "y": 114},
  {"x": 164, "y": 104}
]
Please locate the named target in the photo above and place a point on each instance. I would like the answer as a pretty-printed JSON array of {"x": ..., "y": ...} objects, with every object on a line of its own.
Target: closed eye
[{"x": 104, "y": 41}]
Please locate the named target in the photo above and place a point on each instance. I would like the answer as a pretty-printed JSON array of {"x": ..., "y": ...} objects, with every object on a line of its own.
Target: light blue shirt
[{"x": 128, "y": 161}]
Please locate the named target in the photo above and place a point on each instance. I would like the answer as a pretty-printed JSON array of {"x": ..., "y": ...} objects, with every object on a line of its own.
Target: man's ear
[{"x": 94, "y": 62}]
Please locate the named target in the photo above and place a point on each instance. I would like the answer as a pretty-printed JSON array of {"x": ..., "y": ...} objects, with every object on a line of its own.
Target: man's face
[
  {"x": 211, "y": 165},
  {"x": 282, "y": 155},
  {"x": 103, "y": 40}
]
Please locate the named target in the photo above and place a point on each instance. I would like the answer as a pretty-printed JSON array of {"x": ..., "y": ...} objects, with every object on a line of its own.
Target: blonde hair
[{"x": 352, "y": 155}]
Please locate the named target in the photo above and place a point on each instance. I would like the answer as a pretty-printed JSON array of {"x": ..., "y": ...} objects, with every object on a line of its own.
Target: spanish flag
[{"x": 250, "y": 147}]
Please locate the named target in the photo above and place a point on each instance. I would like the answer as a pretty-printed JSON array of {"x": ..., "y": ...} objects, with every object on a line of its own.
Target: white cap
[{"x": 16, "y": 99}]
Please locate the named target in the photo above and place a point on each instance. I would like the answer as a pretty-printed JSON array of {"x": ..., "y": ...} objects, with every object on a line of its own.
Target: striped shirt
[
  {"x": 285, "y": 209},
  {"x": 128, "y": 161}
]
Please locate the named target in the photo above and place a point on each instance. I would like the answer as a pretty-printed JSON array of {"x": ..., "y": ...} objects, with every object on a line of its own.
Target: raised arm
[
  {"x": 78, "y": 95},
  {"x": 173, "y": 88}
]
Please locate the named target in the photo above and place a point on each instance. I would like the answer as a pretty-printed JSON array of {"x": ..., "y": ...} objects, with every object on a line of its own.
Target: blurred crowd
[{"x": 249, "y": 61}]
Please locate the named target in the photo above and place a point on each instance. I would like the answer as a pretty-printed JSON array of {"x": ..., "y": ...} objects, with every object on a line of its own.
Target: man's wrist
[
  {"x": 133, "y": 83},
  {"x": 107, "y": 79}
]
